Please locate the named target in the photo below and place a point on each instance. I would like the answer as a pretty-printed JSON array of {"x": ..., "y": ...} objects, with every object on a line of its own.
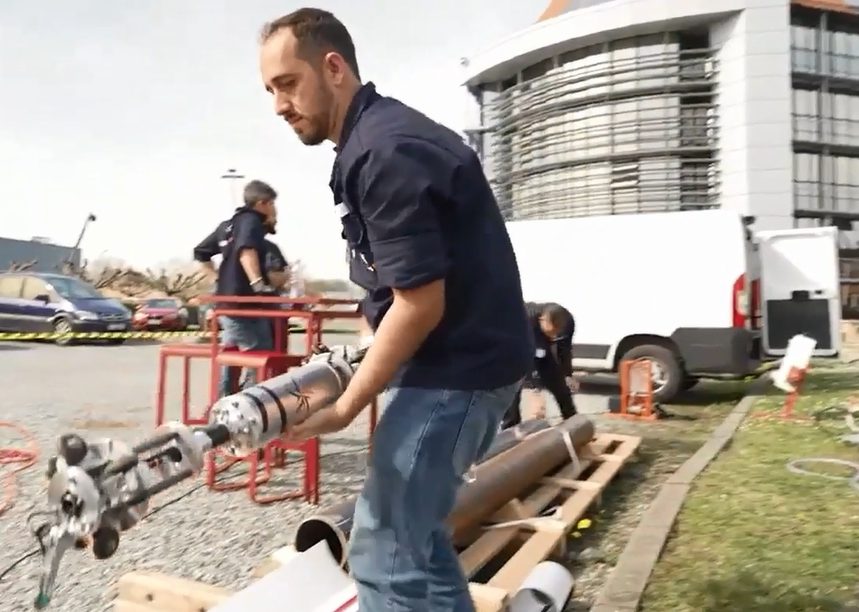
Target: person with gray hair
[{"x": 241, "y": 240}]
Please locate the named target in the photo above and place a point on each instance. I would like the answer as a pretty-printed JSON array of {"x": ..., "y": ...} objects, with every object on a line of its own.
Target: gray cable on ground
[{"x": 853, "y": 481}]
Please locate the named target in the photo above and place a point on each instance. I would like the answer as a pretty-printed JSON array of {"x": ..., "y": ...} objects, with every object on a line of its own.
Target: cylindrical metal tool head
[{"x": 262, "y": 412}]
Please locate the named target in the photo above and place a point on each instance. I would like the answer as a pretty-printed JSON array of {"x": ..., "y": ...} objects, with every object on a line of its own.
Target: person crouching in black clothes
[{"x": 553, "y": 327}]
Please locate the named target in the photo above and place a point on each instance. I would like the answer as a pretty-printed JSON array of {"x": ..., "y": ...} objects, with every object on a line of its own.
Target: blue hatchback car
[{"x": 35, "y": 302}]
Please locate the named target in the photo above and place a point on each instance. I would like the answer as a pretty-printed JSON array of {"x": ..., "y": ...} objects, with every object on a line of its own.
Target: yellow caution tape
[
  {"x": 142, "y": 335},
  {"x": 98, "y": 335}
]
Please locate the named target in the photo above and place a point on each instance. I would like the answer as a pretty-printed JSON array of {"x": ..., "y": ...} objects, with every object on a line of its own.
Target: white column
[{"x": 754, "y": 95}]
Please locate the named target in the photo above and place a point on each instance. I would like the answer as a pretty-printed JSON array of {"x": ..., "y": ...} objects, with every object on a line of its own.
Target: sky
[{"x": 133, "y": 110}]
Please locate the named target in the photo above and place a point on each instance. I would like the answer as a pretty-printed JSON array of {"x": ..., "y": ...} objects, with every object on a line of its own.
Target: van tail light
[
  {"x": 739, "y": 302},
  {"x": 746, "y": 303},
  {"x": 755, "y": 313}
]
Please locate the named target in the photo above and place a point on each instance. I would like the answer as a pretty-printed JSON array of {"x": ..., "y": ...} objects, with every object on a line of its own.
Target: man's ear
[{"x": 334, "y": 65}]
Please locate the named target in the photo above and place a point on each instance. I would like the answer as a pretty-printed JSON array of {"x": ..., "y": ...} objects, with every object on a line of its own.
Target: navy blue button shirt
[
  {"x": 211, "y": 246},
  {"x": 416, "y": 207},
  {"x": 244, "y": 231}
]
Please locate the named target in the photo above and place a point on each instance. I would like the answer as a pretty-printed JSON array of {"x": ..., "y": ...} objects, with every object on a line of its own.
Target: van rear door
[{"x": 800, "y": 290}]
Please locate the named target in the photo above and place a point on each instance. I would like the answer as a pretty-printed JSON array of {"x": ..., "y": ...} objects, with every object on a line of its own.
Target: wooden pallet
[{"x": 496, "y": 560}]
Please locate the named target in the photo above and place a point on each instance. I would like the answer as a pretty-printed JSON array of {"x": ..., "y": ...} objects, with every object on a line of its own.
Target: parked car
[
  {"x": 160, "y": 314},
  {"x": 35, "y": 302}
]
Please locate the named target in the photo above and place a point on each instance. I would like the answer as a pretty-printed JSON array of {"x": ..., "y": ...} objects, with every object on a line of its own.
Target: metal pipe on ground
[
  {"x": 335, "y": 524},
  {"x": 512, "y": 436},
  {"x": 500, "y": 477}
]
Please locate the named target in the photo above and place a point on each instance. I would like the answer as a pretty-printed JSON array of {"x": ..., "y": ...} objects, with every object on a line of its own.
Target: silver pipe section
[{"x": 262, "y": 413}]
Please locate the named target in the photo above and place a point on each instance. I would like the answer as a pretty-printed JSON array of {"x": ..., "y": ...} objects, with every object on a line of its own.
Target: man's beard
[{"x": 319, "y": 122}]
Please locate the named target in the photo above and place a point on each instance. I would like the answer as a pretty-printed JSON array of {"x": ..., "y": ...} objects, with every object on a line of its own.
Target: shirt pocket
[{"x": 362, "y": 270}]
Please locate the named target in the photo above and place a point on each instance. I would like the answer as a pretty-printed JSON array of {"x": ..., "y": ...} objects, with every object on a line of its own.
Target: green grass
[{"x": 753, "y": 536}]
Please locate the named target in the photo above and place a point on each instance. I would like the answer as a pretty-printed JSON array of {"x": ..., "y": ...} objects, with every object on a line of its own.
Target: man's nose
[{"x": 282, "y": 105}]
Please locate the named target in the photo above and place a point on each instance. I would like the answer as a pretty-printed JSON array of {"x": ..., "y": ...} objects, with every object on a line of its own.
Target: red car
[{"x": 160, "y": 314}]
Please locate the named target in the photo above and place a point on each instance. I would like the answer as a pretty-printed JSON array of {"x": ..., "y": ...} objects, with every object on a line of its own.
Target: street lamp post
[
  {"x": 71, "y": 259},
  {"x": 233, "y": 176}
]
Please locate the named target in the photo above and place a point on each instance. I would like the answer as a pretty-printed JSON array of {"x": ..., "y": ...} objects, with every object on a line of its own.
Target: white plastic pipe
[
  {"x": 310, "y": 581},
  {"x": 546, "y": 589},
  {"x": 800, "y": 350}
]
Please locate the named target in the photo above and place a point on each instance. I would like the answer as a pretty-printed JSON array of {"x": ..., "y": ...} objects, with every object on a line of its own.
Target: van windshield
[{"x": 72, "y": 288}]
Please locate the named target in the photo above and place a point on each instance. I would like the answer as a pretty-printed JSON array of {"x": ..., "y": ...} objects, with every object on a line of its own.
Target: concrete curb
[{"x": 628, "y": 579}]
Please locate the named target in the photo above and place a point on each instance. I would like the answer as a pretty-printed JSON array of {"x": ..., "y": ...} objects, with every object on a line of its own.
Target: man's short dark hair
[
  {"x": 558, "y": 316},
  {"x": 257, "y": 191},
  {"x": 317, "y": 32}
]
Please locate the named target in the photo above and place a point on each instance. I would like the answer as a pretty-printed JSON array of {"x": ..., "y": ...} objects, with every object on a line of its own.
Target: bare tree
[
  {"x": 100, "y": 277},
  {"x": 15, "y": 266},
  {"x": 177, "y": 284}
]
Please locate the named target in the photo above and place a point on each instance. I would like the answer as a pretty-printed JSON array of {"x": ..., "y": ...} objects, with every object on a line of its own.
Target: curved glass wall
[{"x": 628, "y": 126}]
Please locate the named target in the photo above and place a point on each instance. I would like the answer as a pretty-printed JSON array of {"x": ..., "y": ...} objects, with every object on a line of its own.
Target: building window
[
  {"x": 826, "y": 184},
  {"x": 804, "y": 48},
  {"x": 806, "y": 115}
]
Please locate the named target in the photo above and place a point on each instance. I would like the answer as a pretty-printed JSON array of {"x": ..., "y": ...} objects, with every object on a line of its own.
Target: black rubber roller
[
  {"x": 105, "y": 541},
  {"x": 73, "y": 448}
]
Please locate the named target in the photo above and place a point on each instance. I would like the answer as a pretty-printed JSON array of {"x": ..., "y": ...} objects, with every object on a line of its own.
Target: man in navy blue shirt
[
  {"x": 243, "y": 271},
  {"x": 452, "y": 343},
  {"x": 553, "y": 328}
]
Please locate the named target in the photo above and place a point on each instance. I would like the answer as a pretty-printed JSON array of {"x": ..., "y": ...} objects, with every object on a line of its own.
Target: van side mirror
[{"x": 43, "y": 297}]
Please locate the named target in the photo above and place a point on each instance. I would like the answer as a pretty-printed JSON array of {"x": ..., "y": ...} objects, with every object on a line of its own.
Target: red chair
[
  {"x": 267, "y": 365},
  {"x": 186, "y": 352},
  {"x": 275, "y": 454}
]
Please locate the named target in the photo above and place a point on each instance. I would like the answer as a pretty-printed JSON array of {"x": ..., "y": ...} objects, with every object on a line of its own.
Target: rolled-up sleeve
[
  {"x": 208, "y": 248},
  {"x": 248, "y": 233},
  {"x": 403, "y": 187}
]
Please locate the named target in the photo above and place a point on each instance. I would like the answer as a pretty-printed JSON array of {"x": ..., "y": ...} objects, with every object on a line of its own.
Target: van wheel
[
  {"x": 63, "y": 326},
  {"x": 668, "y": 375}
]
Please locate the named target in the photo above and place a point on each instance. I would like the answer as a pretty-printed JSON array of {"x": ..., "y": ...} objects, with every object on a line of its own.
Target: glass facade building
[
  {"x": 825, "y": 75},
  {"x": 637, "y": 106},
  {"x": 620, "y": 127},
  {"x": 825, "y": 67}
]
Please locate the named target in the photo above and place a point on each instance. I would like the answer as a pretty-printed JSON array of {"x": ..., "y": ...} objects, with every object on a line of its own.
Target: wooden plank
[
  {"x": 537, "y": 549},
  {"x": 492, "y": 542},
  {"x": 169, "y": 594},
  {"x": 487, "y": 598},
  {"x": 121, "y": 605}
]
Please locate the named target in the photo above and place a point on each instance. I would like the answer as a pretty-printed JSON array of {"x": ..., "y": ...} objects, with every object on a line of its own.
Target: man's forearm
[
  {"x": 402, "y": 331},
  {"x": 250, "y": 264}
]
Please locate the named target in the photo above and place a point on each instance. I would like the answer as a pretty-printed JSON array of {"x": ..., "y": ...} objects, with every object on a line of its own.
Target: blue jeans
[
  {"x": 401, "y": 555},
  {"x": 246, "y": 334}
]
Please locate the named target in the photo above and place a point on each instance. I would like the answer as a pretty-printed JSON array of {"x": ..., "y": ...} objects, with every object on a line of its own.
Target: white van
[{"x": 696, "y": 292}]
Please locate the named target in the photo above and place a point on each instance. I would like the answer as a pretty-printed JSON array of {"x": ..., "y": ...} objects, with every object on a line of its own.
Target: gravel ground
[{"x": 108, "y": 391}]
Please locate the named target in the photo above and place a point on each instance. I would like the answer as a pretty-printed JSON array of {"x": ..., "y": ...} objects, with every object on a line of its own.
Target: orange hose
[{"x": 20, "y": 459}]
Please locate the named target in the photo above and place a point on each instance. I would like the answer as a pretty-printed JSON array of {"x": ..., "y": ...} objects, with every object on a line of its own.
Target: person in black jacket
[
  {"x": 243, "y": 270},
  {"x": 275, "y": 263},
  {"x": 553, "y": 327}
]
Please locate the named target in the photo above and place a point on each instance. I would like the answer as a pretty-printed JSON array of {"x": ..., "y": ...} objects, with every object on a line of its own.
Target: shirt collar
[
  {"x": 244, "y": 209},
  {"x": 362, "y": 100}
]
